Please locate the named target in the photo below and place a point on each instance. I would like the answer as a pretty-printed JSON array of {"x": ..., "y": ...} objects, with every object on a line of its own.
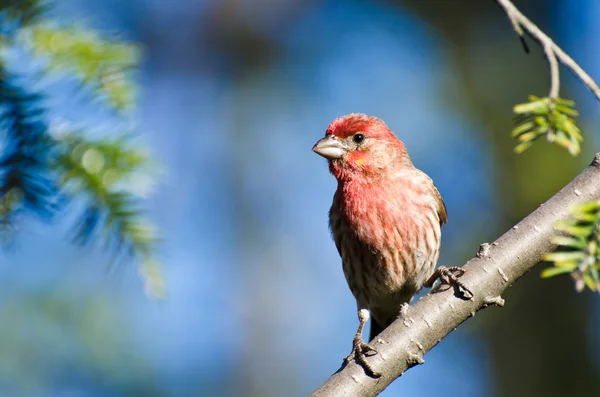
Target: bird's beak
[{"x": 330, "y": 147}]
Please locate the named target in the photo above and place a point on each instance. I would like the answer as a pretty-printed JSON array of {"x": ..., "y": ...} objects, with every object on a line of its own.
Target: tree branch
[
  {"x": 496, "y": 267},
  {"x": 552, "y": 51}
]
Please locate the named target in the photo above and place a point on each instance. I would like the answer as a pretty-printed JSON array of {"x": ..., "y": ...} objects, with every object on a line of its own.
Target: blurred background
[{"x": 234, "y": 93}]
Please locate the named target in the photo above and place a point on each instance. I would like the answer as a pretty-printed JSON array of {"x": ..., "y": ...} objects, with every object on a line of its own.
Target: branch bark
[{"x": 494, "y": 269}]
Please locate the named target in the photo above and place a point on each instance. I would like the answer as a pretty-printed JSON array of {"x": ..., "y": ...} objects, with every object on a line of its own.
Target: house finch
[{"x": 385, "y": 220}]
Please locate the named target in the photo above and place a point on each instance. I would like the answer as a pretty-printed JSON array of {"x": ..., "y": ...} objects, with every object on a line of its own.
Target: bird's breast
[{"x": 388, "y": 240}]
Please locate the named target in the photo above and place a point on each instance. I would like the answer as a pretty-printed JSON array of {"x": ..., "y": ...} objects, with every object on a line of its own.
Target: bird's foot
[
  {"x": 360, "y": 352},
  {"x": 449, "y": 277}
]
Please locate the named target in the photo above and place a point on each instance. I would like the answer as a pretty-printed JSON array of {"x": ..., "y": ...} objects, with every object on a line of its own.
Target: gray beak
[{"x": 330, "y": 147}]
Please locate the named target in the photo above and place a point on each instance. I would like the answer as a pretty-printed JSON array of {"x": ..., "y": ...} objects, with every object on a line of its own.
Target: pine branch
[
  {"x": 39, "y": 171},
  {"x": 104, "y": 65},
  {"x": 25, "y": 181},
  {"x": 102, "y": 173},
  {"x": 22, "y": 12},
  {"x": 496, "y": 267}
]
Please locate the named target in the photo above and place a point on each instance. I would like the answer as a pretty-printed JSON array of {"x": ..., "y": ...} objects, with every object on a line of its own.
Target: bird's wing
[{"x": 442, "y": 214}]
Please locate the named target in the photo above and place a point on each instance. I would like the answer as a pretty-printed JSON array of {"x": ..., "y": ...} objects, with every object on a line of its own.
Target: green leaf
[
  {"x": 541, "y": 120},
  {"x": 592, "y": 206},
  {"x": 520, "y": 148},
  {"x": 583, "y": 242},
  {"x": 536, "y": 107},
  {"x": 529, "y": 136},
  {"x": 574, "y": 264},
  {"x": 567, "y": 110},
  {"x": 565, "y": 102},
  {"x": 572, "y": 242},
  {"x": 571, "y": 128},
  {"x": 522, "y": 128},
  {"x": 574, "y": 150},
  {"x": 589, "y": 282},
  {"x": 553, "y": 116},
  {"x": 562, "y": 140},
  {"x": 580, "y": 230},
  {"x": 564, "y": 256},
  {"x": 554, "y": 271},
  {"x": 585, "y": 217},
  {"x": 564, "y": 224}
]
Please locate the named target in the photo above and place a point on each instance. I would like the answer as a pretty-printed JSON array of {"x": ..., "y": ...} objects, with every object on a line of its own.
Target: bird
[{"x": 385, "y": 219}]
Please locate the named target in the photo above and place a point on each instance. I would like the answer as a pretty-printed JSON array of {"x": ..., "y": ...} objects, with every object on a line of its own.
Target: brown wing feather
[{"x": 442, "y": 214}]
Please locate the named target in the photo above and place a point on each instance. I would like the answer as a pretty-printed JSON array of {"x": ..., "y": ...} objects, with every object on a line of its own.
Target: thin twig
[
  {"x": 554, "y": 88},
  {"x": 518, "y": 30},
  {"x": 519, "y": 21},
  {"x": 554, "y": 74}
]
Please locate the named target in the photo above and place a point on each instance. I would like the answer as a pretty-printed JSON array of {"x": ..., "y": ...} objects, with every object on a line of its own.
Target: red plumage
[{"x": 385, "y": 218}]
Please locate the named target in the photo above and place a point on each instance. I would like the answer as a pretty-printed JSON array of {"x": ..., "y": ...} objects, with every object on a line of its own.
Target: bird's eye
[{"x": 358, "y": 138}]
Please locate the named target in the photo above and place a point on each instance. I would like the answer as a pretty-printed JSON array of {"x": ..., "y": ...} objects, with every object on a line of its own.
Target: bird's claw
[
  {"x": 449, "y": 276},
  {"x": 360, "y": 352}
]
